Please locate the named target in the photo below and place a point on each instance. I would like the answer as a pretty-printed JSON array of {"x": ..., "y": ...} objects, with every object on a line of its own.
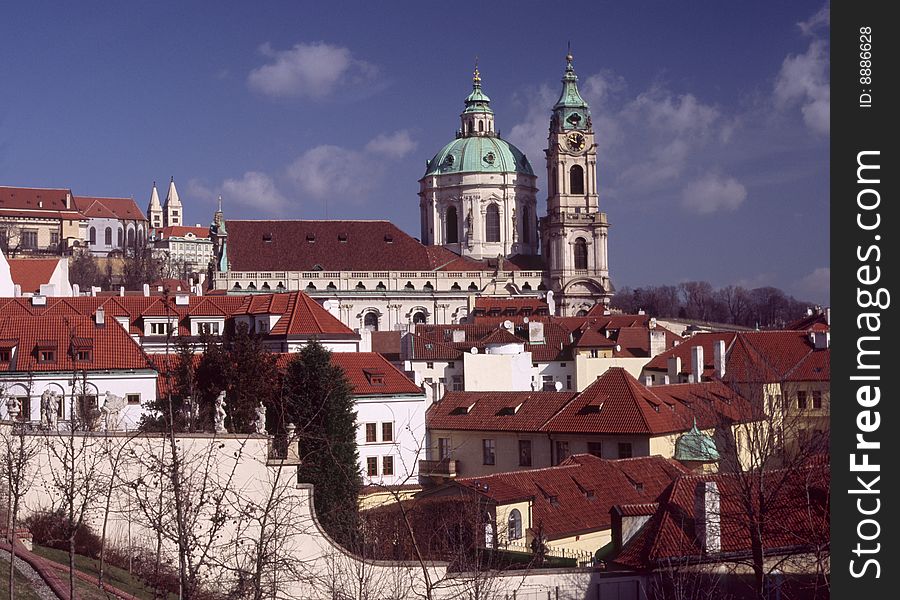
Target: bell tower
[{"x": 574, "y": 231}]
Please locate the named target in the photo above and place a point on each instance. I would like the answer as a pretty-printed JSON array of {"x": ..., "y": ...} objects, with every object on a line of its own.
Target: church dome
[
  {"x": 696, "y": 446},
  {"x": 479, "y": 154}
]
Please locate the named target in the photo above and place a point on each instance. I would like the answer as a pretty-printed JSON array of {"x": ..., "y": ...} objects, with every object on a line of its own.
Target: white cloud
[
  {"x": 309, "y": 70},
  {"x": 803, "y": 80},
  {"x": 821, "y": 19},
  {"x": 815, "y": 286},
  {"x": 712, "y": 193},
  {"x": 254, "y": 189},
  {"x": 394, "y": 145},
  {"x": 348, "y": 175},
  {"x": 665, "y": 112}
]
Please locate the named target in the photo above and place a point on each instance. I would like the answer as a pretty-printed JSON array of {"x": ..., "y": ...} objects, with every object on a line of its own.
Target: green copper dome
[
  {"x": 486, "y": 154},
  {"x": 696, "y": 446},
  {"x": 477, "y": 147}
]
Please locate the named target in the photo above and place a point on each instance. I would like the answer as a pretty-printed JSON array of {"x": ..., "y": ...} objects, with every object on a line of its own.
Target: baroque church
[{"x": 482, "y": 233}]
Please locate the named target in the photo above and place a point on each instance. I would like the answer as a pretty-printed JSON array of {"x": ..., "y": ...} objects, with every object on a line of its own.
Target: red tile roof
[
  {"x": 576, "y": 496},
  {"x": 300, "y": 315},
  {"x": 495, "y": 411},
  {"x": 341, "y": 246},
  {"x": 124, "y": 209},
  {"x": 817, "y": 321},
  {"x": 53, "y": 199},
  {"x": 618, "y": 404},
  {"x": 750, "y": 355},
  {"x": 795, "y": 503},
  {"x": 165, "y": 233},
  {"x": 31, "y": 273},
  {"x": 355, "y": 365},
  {"x": 512, "y": 305},
  {"x": 435, "y": 342},
  {"x": 111, "y": 347},
  {"x": 816, "y": 366}
]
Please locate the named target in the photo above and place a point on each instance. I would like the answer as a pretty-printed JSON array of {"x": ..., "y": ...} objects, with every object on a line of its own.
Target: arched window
[
  {"x": 580, "y": 251},
  {"x": 576, "y": 180},
  {"x": 419, "y": 318},
  {"x": 107, "y": 236},
  {"x": 141, "y": 237},
  {"x": 492, "y": 224},
  {"x": 121, "y": 238},
  {"x": 452, "y": 224},
  {"x": 515, "y": 524},
  {"x": 370, "y": 321},
  {"x": 131, "y": 238},
  {"x": 526, "y": 225},
  {"x": 480, "y": 125},
  {"x": 552, "y": 183},
  {"x": 93, "y": 236}
]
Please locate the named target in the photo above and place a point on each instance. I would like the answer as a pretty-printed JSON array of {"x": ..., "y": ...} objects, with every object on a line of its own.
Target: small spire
[{"x": 476, "y": 75}]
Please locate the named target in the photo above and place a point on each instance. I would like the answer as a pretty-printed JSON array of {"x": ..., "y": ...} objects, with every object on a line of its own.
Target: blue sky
[{"x": 711, "y": 117}]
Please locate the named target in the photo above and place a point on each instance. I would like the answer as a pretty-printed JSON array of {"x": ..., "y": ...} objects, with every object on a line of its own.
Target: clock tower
[{"x": 574, "y": 231}]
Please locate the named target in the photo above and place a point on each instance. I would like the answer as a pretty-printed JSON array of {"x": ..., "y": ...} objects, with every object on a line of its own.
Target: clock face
[{"x": 575, "y": 141}]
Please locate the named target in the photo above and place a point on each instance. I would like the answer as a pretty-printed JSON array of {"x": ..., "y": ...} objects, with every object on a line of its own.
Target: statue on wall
[
  {"x": 261, "y": 418},
  {"x": 220, "y": 413},
  {"x": 110, "y": 410},
  {"x": 49, "y": 409},
  {"x": 469, "y": 229},
  {"x": 13, "y": 406}
]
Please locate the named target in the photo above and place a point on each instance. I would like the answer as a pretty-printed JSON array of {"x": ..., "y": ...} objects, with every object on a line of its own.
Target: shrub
[{"x": 51, "y": 529}]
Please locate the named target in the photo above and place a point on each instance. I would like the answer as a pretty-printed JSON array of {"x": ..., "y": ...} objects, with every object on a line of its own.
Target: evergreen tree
[
  {"x": 318, "y": 400},
  {"x": 252, "y": 379}
]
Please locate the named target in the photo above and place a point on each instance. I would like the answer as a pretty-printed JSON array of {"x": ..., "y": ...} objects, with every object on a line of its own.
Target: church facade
[{"x": 481, "y": 233}]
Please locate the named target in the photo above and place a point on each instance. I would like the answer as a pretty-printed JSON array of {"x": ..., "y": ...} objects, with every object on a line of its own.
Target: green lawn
[
  {"x": 23, "y": 586},
  {"x": 112, "y": 575}
]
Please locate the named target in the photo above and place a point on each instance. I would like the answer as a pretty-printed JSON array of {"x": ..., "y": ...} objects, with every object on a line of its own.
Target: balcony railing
[{"x": 446, "y": 467}]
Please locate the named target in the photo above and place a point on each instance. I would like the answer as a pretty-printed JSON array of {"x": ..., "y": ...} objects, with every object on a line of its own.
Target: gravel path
[{"x": 39, "y": 586}]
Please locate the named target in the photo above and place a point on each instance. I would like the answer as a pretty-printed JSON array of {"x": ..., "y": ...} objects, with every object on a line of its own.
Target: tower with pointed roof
[
  {"x": 478, "y": 196},
  {"x": 172, "y": 208},
  {"x": 574, "y": 231},
  {"x": 154, "y": 209}
]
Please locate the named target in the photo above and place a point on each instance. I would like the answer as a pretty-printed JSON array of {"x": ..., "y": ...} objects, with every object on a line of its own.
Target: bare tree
[{"x": 18, "y": 474}]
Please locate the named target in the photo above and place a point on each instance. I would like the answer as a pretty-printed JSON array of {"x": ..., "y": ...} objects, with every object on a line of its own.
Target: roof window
[
  {"x": 267, "y": 237},
  {"x": 342, "y": 237}
]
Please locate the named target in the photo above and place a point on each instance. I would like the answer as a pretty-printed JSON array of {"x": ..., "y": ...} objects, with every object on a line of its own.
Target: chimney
[
  {"x": 17, "y": 290},
  {"x": 198, "y": 290},
  {"x": 76, "y": 290},
  {"x": 828, "y": 316},
  {"x": 657, "y": 342},
  {"x": 459, "y": 336},
  {"x": 146, "y": 289},
  {"x": 674, "y": 365},
  {"x": 100, "y": 317},
  {"x": 708, "y": 517},
  {"x": 697, "y": 363},
  {"x": 121, "y": 290},
  {"x": 95, "y": 290},
  {"x": 666, "y": 380},
  {"x": 719, "y": 359},
  {"x": 68, "y": 200},
  {"x": 822, "y": 340}
]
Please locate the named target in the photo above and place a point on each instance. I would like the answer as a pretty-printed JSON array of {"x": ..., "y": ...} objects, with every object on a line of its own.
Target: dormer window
[
  {"x": 82, "y": 355},
  {"x": 374, "y": 377},
  {"x": 46, "y": 356},
  {"x": 267, "y": 237},
  {"x": 310, "y": 237},
  {"x": 342, "y": 237},
  {"x": 5, "y": 355}
]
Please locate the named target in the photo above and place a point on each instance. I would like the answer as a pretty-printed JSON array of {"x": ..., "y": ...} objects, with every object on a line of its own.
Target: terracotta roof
[
  {"x": 341, "y": 246},
  {"x": 795, "y": 502},
  {"x": 53, "y": 199},
  {"x": 576, "y": 496},
  {"x": 31, "y": 273},
  {"x": 817, "y": 321},
  {"x": 109, "y": 208},
  {"x": 618, "y": 403},
  {"x": 816, "y": 366},
  {"x": 387, "y": 343},
  {"x": 435, "y": 342},
  {"x": 360, "y": 367},
  {"x": 300, "y": 315},
  {"x": 495, "y": 411},
  {"x": 111, "y": 347},
  {"x": 41, "y": 214},
  {"x": 355, "y": 365},
  {"x": 750, "y": 355},
  {"x": 510, "y": 306},
  {"x": 171, "y": 231}
]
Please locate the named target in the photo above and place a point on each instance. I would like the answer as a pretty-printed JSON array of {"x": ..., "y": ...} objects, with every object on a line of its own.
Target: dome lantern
[{"x": 478, "y": 118}]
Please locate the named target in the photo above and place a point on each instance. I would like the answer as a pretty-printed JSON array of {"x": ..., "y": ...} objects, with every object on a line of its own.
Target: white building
[
  {"x": 114, "y": 224},
  {"x": 187, "y": 250},
  {"x": 78, "y": 359}
]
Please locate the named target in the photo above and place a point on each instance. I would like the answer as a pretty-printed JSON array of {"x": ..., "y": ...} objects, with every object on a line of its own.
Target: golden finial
[
  {"x": 476, "y": 76},
  {"x": 569, "y": 56}
]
